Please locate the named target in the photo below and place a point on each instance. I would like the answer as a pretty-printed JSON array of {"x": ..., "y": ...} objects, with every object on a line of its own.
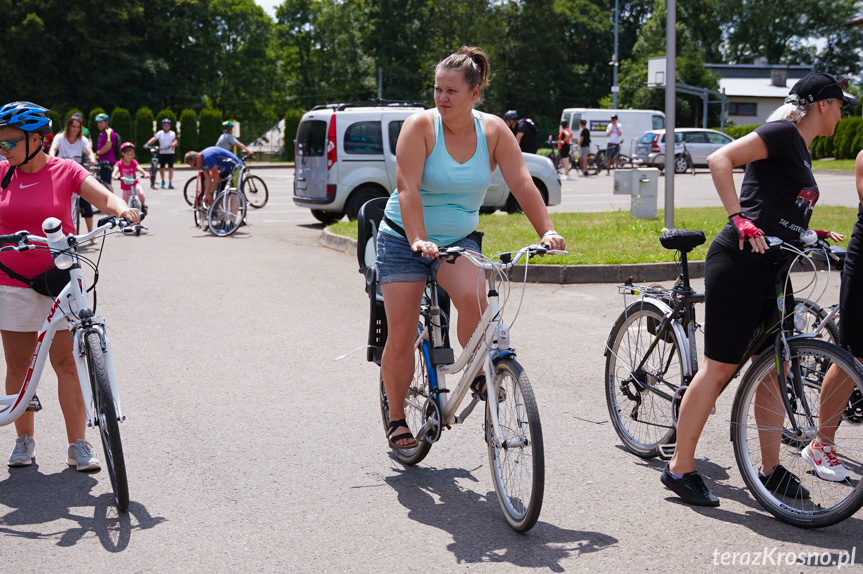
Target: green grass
[
  {"x": 837, "y": 164},
  {"x": 614, "y": 237}
]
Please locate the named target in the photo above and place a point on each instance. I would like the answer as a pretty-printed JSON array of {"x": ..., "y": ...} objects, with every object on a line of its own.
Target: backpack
[{"x": 115, "y": 143}]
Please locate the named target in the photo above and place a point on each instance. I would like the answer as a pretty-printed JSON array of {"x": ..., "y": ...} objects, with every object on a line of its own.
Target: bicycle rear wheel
[
  {"x": 256, "y": 191},
  {"x": 640, "y": 402},
  {"x": 227, "y": 213},
  {"x": 415, "y": 402},
  {"x": 152, "y": 175},
  {"x": 190, "y": 190},
  {"x": 760, "y": 423},
  {"x": 106, "y": 419},
  {"x": 517, "y": 463}
]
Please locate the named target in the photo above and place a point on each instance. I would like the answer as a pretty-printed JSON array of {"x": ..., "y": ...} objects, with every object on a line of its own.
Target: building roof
[
  {"x": 752, "y": 87},
  {"x": 757, "y": 70}
]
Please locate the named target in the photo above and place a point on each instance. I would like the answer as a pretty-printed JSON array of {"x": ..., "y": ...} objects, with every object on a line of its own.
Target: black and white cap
[{"x": 819, "y": 86}]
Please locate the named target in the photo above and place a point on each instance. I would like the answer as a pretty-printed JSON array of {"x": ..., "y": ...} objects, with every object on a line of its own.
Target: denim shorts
[{"x": 396, "y": 263}]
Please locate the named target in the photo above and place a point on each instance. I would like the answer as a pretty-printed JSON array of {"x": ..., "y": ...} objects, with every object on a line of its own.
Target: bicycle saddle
[{"x": 682, "y": 239}]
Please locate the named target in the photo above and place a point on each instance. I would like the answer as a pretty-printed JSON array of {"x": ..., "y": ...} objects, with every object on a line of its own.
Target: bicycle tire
[
  {"x": 190, "y": 190},
  {"x": 152, "y": 175},
  {"x": 106, "y": 419},
  {"x": 828, "y": 502},
  {"x": 77, "y": 214},
  {"x": 227, "y": 213},
  {"x": 641, "y": 413},
  {"x": 814, "y": 315},
  {"x": 518, "y": 463},
  {"x": 625, "y": 162},
  {"x": 418, "y": 393},
  {"x": 256, "y": 191}
]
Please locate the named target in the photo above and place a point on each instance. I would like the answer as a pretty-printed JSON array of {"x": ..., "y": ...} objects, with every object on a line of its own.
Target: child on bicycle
[{"x": 128, "y": 167}]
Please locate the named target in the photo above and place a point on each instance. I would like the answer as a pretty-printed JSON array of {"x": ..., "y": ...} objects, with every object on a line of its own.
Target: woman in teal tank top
[{"x": 445, "y": 157}]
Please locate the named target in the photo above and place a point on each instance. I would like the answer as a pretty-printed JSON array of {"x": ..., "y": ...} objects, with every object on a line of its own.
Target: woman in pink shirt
[{"x": 33, "y": 187}]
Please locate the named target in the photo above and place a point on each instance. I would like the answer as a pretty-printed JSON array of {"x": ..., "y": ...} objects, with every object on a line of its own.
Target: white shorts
[{"x": 22, "y": 309}]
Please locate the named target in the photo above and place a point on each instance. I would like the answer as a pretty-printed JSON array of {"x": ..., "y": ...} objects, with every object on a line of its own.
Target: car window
[
  {"x": 678, "y": 137},
  {"x": 394, "y": 129},
  {"x": 311, "y": 138},
  {"x": 658, "y": 122},
  {"x": 646, "y": 138},
  {"x": 695, "y": 137},
  {"x": 364, "y": 138},
  {"x": 721, "y": 139}
]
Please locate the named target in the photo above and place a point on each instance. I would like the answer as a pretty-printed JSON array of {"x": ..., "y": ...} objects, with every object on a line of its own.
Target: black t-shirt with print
[
  {"x": 585, "y": 133},
  {"x": 778, "y": 193},
  {"x": 854, "y": 256}
]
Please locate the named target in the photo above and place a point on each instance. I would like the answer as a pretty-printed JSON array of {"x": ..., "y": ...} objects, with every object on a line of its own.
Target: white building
[{"x": 753, "y": 91}]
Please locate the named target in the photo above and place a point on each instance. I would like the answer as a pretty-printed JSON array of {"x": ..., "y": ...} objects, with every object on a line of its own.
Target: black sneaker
[
  {"x": 783, "y": 482},
  {"x": 690, "y": 488}
]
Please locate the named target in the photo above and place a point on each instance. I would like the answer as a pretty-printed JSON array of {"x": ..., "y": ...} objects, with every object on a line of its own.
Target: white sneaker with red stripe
[{"x": 824, "y": 462}]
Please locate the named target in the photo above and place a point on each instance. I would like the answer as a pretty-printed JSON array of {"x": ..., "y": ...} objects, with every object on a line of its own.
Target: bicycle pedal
[
  {"x": 666, "y": 451},
  {"x": 34, "y": 406}
]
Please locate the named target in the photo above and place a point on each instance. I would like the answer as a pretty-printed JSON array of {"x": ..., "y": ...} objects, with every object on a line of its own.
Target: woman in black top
[{"x": 776, "y": 198}]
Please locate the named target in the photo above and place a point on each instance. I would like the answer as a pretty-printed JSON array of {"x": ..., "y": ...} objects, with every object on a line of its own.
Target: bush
[
  {"x": 853, "y": 127},
  {"x": 738, "y": 132},
  {"x": 143, "y": 132},
  {"x": 209, "y": 127},
  {"x": 121, "y": 122},
  {"x": 292, "y": 122},
  {"x": 56, "y": 125},
  {"x": 188, "y": 132},
  {"x": 840, "y": 137}
]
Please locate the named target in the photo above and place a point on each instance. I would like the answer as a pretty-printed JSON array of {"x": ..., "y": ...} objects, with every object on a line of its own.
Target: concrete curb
[{"x": 562, "y": 274}]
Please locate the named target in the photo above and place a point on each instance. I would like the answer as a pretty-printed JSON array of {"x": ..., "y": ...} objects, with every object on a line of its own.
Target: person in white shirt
[
  {"x": 613, "y": 133},
  {"x": 71, "y": 144},
  {"x": 167, "y": 143}
]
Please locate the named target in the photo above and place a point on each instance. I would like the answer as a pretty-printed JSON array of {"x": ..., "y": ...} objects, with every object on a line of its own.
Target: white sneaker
[
  {"x": 24, "y": 451},
  {"x": 824, "y": 462},
  {"x": 81, "y": 456},
  {"x": 564, "y": 177}
]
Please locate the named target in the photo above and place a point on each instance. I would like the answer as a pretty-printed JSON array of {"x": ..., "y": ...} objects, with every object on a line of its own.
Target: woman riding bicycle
[
  {"x": 777, "y": 196},
  {"x": 445, "y": 157},
  {"x": 72, "y": 144},
  {"x": 33, "y": 187}
]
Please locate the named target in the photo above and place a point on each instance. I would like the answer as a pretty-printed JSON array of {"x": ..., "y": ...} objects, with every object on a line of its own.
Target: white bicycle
[{"x": 92, "y": 350}]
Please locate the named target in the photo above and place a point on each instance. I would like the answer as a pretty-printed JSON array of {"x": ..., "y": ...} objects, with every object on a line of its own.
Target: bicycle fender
[{"x": 503, "y": 354}]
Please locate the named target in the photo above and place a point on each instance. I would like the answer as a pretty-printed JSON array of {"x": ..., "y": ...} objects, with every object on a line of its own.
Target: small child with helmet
[{"x": 128, "y": 167}]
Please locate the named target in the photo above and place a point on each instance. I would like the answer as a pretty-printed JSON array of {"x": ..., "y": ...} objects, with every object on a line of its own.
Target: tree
[
  {"x": 209, "y": 127},
  {"x": 56, "y": 126},
  {"x": 188, "y": 131},
  {"x": 143, "y": 131},
  {"x": 121, "y": 122}
]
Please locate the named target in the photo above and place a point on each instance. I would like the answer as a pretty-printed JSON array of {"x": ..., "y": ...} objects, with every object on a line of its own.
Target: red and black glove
[
  {"x": 820, "y": 233},
  {"x": 745, "y": 228}
]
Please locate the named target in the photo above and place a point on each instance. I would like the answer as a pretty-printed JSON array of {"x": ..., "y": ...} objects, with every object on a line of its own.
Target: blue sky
[{"x": 269, "y": 6}]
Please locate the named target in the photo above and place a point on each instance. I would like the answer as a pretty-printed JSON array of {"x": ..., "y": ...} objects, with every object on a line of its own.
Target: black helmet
[
  {"x": 25, "y": 116},
  {"x": 510, "y": 115}
]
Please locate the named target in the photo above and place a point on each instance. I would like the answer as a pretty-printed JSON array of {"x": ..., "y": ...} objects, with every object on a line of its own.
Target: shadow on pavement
[
  {"x": 840, "y": 537},
  {"x": 37, "y": 498},
  {"x": 480, "y": 533}
]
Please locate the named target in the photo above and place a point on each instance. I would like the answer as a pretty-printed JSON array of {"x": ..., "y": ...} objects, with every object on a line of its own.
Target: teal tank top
[{"x": 451, "y": 192}]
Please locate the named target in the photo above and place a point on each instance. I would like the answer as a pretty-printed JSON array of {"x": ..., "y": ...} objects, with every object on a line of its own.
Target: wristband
[{"x": 551, "y": 232}]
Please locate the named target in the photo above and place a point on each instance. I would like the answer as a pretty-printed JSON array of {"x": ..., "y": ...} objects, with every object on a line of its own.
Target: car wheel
[
  {"x": 512, "y": 205},
  {"x": 326, "y": 217},
  {"x": 680, "y": 164},
  {"x": 358, "y": 198}
]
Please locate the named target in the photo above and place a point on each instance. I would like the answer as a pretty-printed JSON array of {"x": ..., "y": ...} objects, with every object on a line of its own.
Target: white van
[{"x": 632, "y": 123}]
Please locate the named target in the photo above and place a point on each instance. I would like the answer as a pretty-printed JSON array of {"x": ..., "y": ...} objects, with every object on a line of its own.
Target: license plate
[{"x": 302, "y": 184}]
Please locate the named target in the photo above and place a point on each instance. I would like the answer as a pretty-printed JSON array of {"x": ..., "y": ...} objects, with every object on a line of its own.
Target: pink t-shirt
[
  {"x": 127, "y": 171},
  {"x": 29, "y": 199}
]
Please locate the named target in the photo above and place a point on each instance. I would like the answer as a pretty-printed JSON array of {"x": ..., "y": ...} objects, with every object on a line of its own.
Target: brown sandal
[
  {"x": 391, "y": 427},
  {"x": 478, "y": 387}
]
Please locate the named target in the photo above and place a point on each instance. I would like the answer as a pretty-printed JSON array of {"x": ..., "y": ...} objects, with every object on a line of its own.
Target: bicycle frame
[{"x": 73, "y": 305}]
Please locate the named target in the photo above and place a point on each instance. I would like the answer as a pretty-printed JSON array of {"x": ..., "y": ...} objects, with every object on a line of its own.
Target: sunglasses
[
  {"x": 9, "y": 144},
  {"x": 841, "y": 84}
]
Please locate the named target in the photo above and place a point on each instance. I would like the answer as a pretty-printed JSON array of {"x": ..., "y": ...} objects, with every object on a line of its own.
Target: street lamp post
[{"x": 614, "y": 61}]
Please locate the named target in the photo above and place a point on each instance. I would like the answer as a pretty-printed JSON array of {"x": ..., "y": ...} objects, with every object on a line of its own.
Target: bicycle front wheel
[
  {"x": 152, "y": 176},
  {"x": 106, "y": 418},
  {"x": 518, "y": 462},
  {"x": 227, "y": 213},
  {"x": 761, "y": 428},
  {"x": 415, "y": 406},
  {"x": 256, "y": 191},
  {"x": 640, "y": 398}
]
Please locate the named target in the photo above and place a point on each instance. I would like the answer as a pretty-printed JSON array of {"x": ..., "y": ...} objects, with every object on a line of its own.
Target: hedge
[
  {"x": 188, "y": 132},
  {"x": 143, "y": 132},
  {"x": 209, "y": 127},
  {"x": 121, "y": 122}
]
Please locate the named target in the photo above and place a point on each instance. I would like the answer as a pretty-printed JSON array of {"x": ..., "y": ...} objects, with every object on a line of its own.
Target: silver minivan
[{"x": 346, "y": 155}]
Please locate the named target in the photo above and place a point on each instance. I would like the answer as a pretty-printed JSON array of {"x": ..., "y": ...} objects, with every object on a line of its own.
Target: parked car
[
  {"x": 700, "y": 143},
  {"x": 346, "y": 155},
  {"x": 631, "y": 123}
]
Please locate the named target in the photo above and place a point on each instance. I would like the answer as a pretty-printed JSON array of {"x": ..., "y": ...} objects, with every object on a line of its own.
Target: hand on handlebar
[
  {"x": 831, "y": 235},
  {"x": 747, "y": 230},
  {"x": 552, "y": 241},
  {"x": 428, "y": 249}
]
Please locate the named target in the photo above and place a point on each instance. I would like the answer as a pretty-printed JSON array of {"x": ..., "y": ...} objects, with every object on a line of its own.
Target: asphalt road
[{"x": 249, "y": 447}]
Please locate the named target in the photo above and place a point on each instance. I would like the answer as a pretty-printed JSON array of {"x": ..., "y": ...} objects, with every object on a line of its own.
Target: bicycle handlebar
[
  {"x": 450, "y": 254},
  {"x": 22, "y": 240}
]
